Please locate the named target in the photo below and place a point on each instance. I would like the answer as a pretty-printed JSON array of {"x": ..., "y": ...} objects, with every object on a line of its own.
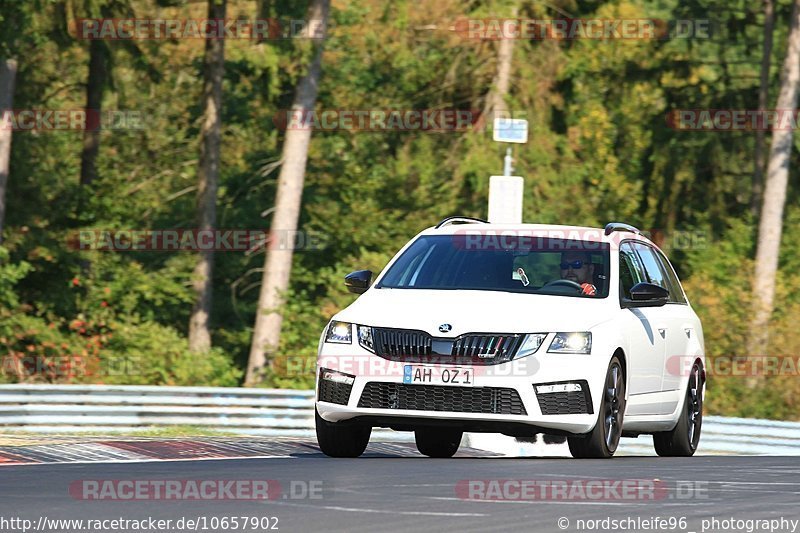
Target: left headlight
[
  {"x": 339, "y": 332},
  {"x": 580, "y": 342},
  {"x": 530, "y": 344}
]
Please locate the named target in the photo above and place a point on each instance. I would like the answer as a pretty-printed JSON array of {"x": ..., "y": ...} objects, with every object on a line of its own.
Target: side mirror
[
  {"x": 647, "y": 295},
  {"x": 358, "y": 282}
]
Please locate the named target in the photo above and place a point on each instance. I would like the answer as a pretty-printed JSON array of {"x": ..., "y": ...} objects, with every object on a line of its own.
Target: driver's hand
[{"x": 588, "y": 289}]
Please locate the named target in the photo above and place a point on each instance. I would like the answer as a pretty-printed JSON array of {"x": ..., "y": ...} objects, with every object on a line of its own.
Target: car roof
[{"x": 554, "y": 231}]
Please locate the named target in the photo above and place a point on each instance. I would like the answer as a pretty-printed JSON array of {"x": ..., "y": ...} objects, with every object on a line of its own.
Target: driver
[{"x": 578, "y": 267}]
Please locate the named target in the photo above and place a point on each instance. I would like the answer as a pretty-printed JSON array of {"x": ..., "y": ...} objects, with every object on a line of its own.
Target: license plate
[{"x": 439, "y": 375}]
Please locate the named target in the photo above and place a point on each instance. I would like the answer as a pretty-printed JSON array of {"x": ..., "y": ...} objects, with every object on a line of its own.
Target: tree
[
  {"x": 278, "y": 262},
  {"x": 771, "y": 224},
  {"x": 100, "y": 75},
  {"x": 13, "y": 40},
  {"x": 495, "y": 101},
  {"x": 208, "y": 176},
  {"x": 96, "y": 84},
  {"x": 763, "y": 96},
  {"x": 8, "y": 73}
]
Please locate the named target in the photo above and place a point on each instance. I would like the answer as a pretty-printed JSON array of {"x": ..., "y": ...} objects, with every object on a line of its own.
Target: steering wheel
[{"x": 568, "y": 283}]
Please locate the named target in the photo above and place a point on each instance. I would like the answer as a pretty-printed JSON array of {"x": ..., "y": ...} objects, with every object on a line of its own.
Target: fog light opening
[
  {"x": 558, "y": 387},
  {"x": 337, "y": 377}
]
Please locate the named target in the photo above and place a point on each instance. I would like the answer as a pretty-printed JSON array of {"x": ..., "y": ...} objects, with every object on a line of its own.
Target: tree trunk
[
  {"x": 208, "y": 177},
  {"x": 763, "y": 96},
  {"x": 95, "y": 87},
  {"x": 278, "y": 263},
  {"x": 771, "y": 223},
  {"x": 8, "y": 74},
  {"x": 495, "y": 101}
]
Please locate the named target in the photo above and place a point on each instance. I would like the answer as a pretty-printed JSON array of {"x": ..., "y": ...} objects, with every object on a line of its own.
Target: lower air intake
[{"x": 489, "y": 400}]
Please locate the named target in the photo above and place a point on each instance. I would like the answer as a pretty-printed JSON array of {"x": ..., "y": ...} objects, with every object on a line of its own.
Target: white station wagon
[{"x": 515, "y": 329}]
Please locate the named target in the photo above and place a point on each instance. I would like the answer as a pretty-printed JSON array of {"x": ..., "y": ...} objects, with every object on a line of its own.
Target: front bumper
[{"x": 501, "y": 394}]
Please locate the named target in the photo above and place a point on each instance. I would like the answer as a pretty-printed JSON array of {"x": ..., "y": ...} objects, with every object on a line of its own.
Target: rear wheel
[
  {"x": 682, "y": 441},
  {"x": 438, "y": 442},
  {"x": 603, "y": 440},
  {"x": 337, "y": 440}
]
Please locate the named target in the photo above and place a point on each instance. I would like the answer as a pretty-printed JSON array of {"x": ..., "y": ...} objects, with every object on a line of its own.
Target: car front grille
[
  {"x": 487, "y": 345},
  {"x": 415, "y": 346},
  {"x": 566, "y": 403},
  {"x": 334, "y": 392},
  {"x": 401, "y": 342},
  {"x": 488, "y": 400}
]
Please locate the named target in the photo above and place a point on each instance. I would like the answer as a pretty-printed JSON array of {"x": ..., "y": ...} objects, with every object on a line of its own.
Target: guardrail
[
  {"x": 290, "y": 413},
  {"x": 720, "y": 436},
  {"x": 118, "y": 408}
]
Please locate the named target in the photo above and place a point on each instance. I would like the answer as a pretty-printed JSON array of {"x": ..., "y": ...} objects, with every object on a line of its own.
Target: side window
[
  {"x": 652, "y": 266},
  {"x": 675, "y": 290},
  {"x": 660, "y": 272},
  {"x": 630, "y": 269}
]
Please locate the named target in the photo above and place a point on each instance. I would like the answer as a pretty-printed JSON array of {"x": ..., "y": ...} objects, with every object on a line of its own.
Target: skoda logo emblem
[{"x": 444, "y": 328}]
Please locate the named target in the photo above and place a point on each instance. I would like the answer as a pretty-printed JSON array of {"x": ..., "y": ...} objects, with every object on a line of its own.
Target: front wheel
[
  {"x": 438, "y": 442},
  {"x": 336, "y": 440},
  {"x": 603, "y": 440},
  {"x": 682, "y": 441}
]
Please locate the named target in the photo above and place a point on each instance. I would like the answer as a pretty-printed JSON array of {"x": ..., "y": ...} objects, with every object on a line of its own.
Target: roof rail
[
  {"x": 465, "y": 220},
  {"x": 619, "y": 226}
]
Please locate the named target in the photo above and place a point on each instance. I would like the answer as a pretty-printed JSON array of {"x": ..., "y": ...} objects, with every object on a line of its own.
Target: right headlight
[
  {"x": 365, "y": 339},
  {"x": 576, "y": 342}
]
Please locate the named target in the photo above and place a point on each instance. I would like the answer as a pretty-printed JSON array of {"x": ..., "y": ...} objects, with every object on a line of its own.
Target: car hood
[{"x": 474, "y": 311}]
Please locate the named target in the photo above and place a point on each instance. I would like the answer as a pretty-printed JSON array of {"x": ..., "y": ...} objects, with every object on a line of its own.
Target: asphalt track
[{"x": 392, "y": 488}]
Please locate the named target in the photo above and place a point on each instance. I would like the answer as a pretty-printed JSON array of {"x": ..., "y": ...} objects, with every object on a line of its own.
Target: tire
[
  {"x": 682, "y": 441},
  {"x": 336, "y": 440},
  {"x": 602, "y": 441},
  {"x": 438, "y": 442}
]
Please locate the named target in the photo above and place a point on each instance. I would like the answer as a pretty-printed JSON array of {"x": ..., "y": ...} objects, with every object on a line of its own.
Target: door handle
[{"x": 663, "y": 332}]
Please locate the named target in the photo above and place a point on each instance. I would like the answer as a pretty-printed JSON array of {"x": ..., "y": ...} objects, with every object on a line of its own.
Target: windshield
[{"x": 506, "y": 263}]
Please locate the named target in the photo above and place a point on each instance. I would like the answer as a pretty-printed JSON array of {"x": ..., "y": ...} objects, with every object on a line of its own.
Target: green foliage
[
  {"x": 600, "y": 148},
  {"x": 719, "y": 289}
]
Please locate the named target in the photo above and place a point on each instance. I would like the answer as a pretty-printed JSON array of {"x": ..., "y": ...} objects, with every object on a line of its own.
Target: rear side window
[
  {"x": 676, "y": 294},
  {"x": 630, "y": 270}
]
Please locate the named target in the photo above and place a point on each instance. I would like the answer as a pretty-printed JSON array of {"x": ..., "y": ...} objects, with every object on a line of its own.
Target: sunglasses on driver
[{"x": 574, "y": 265}]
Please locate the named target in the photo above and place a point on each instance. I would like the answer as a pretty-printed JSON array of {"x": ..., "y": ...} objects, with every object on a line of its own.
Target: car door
[
  {"x": 674, "y": 319},
  {"x": 681, "y": 334},
  {"x": 646, "y": 343}
]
